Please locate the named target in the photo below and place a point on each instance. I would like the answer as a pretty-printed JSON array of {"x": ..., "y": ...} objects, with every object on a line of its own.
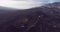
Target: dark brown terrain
[{"x": 40, "y": 19}]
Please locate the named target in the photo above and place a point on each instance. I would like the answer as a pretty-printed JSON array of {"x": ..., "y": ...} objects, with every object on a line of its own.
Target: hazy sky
[{"x": 23, "y": 4}]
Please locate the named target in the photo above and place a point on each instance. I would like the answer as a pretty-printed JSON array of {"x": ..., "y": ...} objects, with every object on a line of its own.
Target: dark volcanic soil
[{"x": 40, "y": 19}]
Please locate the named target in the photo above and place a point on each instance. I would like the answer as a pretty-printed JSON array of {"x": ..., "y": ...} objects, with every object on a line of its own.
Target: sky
[{"x": 23, "y": 4}]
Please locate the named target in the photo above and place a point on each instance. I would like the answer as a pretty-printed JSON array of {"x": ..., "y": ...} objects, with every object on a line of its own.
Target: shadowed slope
[
  {"x": 49, "y": 18},
  {"x": 40, "y": 19}
]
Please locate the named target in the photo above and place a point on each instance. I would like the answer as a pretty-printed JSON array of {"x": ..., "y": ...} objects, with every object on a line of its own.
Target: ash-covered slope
[
  {"x": 40, "y": 19},
  {"x": 7, "y": 16},
  {"x": 49, "y": 18}
]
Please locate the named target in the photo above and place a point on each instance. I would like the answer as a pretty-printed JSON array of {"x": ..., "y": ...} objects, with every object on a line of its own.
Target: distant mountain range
[
  {"x": 54, "y": 4},
  {"x": 6, "y": 8}
]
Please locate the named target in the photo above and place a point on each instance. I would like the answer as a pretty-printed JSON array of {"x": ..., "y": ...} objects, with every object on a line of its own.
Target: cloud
[{"x": 22, "y": 4}]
